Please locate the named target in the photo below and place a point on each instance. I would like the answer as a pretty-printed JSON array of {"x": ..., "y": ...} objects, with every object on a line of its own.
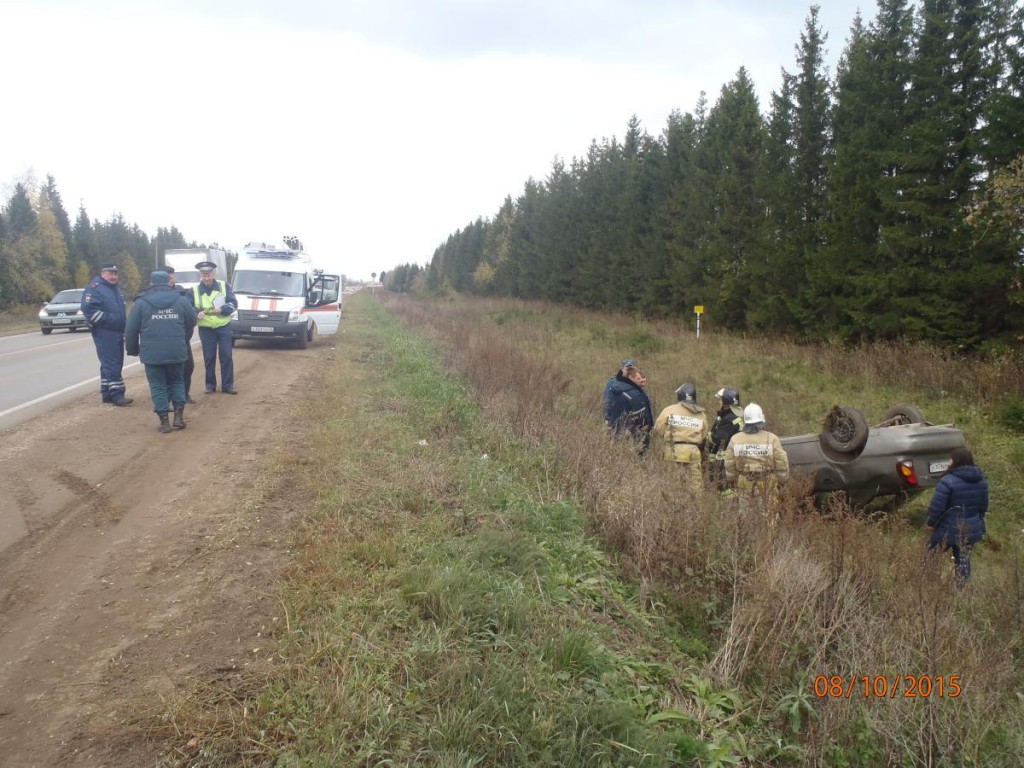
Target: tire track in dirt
[{"x": 114, "y": 555}]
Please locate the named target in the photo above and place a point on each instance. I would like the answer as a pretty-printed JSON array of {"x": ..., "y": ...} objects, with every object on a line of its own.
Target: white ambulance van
[{"x": 283, "y": 296}]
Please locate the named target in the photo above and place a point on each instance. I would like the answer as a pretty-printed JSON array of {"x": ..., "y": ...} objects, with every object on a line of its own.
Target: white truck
[
  {"x": 184, "y": 261},
  {"x": 282, "y": 295}
]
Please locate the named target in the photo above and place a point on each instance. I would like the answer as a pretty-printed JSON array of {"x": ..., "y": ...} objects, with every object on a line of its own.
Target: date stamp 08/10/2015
[{"x": 887, "y": 686}]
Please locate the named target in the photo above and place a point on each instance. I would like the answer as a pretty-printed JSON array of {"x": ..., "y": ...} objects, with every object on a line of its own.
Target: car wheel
[
  {"x": 46, "y": 331},
  {"x": 303, "y": 341},
  {"x": 903, "y": 414},
  {"x": 845, "y": 430}
]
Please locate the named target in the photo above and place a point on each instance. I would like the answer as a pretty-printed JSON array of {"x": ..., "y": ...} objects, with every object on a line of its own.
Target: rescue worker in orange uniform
[
  {"x": 756, "y": 462},
  {"x": 681, "y": 430}
]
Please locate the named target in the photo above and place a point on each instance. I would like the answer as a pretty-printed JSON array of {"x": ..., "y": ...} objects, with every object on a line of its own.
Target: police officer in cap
[
  {"x": 104, "y": 308},
  {"x": 215, "y": 302}
]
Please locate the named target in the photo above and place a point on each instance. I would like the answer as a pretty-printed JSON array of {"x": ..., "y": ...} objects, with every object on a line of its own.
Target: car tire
[
  {"x": 46, "y": 331},
  {"x": 845, "y": 429},
  {"x": 903, "y": 414},
  {"x": 307, "y": 338}
]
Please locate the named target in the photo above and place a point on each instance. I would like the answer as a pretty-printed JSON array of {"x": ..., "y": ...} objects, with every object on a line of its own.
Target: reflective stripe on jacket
[
  {"x": 757, "y": 455},
  {"x": 681, "y": 430}
]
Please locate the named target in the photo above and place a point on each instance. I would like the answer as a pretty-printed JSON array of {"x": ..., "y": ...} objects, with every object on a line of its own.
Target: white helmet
[{"x": 753, "y": 414}]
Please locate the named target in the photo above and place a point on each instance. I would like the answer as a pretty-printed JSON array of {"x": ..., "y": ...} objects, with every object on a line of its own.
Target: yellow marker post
[{"x": 699, "y": 310}]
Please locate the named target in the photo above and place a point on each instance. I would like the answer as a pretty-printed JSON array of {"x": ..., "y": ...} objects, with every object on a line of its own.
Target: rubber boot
[
  {"x": 165, "y": 425},
  {"x": 179, "y": 417}
]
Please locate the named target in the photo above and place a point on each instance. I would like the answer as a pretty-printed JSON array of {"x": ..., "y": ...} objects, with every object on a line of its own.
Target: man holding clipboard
[{"x": 215, "y": 302}]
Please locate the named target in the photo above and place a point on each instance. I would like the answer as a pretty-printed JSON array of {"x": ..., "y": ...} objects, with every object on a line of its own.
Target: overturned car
[{"x": 901, "y": 455}]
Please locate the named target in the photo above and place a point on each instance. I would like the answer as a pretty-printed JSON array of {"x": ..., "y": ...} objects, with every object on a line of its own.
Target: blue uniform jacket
[
  {"x": 160, "y": 326},
  {"x": 103, "y": 306},
  {"x": 957, "y": 511},
  {"x": 627, "y": 408}
]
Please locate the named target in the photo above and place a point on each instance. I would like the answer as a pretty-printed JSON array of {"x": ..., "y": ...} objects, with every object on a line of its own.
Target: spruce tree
[
  {"x": 681, "y": 218},
  {"x": 777, "y": 271},
  {"x": 19, "y": 214},
  {"x": 84, "y": 248},
  {"x": 925, "y": 240},
  {"x": 868, "y": 122},
  {"x": 733, "y": 150},
  {"x": 811, "y": 164}
]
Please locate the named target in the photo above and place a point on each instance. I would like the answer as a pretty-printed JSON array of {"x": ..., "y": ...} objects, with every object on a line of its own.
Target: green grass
[
  {"x": 487, "y": 581},
  {"x": 448, "y": 606}
]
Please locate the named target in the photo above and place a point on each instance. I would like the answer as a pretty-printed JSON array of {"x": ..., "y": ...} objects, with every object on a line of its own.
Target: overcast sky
[{"x": 372, "y": 129}]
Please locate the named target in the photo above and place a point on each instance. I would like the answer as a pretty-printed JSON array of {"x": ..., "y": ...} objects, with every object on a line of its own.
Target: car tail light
[{"x": 905, "y": 469}]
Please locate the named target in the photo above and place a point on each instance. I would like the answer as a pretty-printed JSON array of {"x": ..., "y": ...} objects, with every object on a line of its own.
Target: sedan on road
[{"x": 63, "y": 311}]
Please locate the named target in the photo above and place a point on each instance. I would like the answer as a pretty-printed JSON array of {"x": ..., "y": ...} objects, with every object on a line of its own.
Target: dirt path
[{"x": 128, "y": 566}]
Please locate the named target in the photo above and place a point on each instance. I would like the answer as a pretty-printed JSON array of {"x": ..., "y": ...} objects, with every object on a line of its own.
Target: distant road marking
[
  {"x": 59, "y": 392},
  {"x": 48, "y": 346}
]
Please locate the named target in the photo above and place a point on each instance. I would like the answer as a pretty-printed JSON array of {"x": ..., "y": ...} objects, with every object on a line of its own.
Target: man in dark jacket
[
  {"x": 627, "y": 408},
  {"x": 159, "y": 328},
  {"x": 190, "y": 363},
  {"x": 728, "y": 421},
  {"x": 956, "y": 515},
  {"x": 104, "y": 309}
]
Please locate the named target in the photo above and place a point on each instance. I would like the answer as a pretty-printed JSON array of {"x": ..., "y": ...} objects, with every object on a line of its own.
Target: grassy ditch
[
  {"x": 487, "y": 581},
  {"x": 814, "y": 597}
]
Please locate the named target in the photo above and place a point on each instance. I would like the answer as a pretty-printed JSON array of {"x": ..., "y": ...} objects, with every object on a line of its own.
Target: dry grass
[
  {"x": 19, "y": 320},
  {"x": 781, "y": 592}
]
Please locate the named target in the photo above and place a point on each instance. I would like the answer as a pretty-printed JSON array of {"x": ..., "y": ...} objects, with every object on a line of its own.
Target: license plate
[
  {"x": 261, "y": 329},
  {"x": 60, "y": 320},
  {"x": 937, "y": 467}
]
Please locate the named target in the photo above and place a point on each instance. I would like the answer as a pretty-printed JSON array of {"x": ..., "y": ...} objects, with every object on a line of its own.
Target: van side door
[{"x": 323, "y": 303}]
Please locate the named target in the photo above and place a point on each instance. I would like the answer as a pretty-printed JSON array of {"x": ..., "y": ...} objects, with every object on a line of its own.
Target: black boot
[
  {"x": 179, "y": 417},
  {"x": 165, "y": 425}
]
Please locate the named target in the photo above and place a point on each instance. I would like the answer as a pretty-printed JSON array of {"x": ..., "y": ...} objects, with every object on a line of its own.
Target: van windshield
[{"x": 269, "y": 283}]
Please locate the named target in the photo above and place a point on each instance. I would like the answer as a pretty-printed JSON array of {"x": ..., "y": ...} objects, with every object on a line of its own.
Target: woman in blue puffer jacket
[{"x": 957, "y": 512}]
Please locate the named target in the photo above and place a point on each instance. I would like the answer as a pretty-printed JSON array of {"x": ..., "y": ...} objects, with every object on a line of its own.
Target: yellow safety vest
[{"x": 204, "y": 303}]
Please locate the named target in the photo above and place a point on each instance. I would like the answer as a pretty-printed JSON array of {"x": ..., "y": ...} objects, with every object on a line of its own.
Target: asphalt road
[{"x": 39, "y": 372}]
